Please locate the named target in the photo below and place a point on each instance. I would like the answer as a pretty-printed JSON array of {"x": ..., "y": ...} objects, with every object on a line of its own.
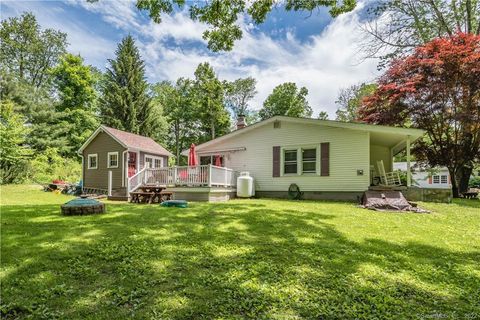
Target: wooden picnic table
[
  {"x": 150, "y": 194},
  {"x": 141, "y": 197},
  {"x": 470, "y": 195}
]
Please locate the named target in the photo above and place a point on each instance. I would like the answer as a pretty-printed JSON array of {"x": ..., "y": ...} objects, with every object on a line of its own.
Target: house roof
[
  {"x": 379, "y": 131},
  {"x": 130, "y": 141}
]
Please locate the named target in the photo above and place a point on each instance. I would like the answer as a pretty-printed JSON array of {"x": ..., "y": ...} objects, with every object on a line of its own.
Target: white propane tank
[{"x": 245, "y": 188}]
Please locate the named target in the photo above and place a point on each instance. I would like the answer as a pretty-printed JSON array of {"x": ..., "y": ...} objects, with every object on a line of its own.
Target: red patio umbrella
[
  {"x": 192, "y": 156},
  {"x": 218, "y": 161}
]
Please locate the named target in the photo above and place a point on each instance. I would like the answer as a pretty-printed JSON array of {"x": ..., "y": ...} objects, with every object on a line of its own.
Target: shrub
[
  {"x": 49, "y": 166},
  {"x": 474, "y": 182}
]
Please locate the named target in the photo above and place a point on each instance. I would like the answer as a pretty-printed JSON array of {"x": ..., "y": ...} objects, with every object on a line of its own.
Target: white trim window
[
  {"x": 444, "y": 179},
  {"x": 92, "y": 161},
  {"x": 309, "y": 160},
  {"x": 300, "y": 160},
  {"x": 436, "y": 179},
  {"x": 153, "y": 162},
  {"x": 112, "y": 160},
  {"x": 290, "y": 163}
]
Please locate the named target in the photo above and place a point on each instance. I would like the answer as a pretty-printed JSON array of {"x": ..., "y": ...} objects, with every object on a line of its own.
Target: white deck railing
[
  {"x": 136, "y": 180},
  {"x": 190, "y": 176}
]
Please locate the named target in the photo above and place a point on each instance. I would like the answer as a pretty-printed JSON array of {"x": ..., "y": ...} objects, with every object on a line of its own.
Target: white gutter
[{"x": 124, "y": 173}]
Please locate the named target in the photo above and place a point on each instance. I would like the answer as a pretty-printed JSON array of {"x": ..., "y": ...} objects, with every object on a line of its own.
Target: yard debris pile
[{"x": 388, "y": 201}]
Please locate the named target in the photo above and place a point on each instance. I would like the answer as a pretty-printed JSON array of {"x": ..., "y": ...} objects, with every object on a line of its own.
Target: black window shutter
[
  {"x": 276, "y": 162},
  {"x": 325, "y": 159}
]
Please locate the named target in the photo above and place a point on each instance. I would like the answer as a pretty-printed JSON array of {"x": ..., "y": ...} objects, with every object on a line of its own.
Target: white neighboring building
[{"x": 424, "y": 178}]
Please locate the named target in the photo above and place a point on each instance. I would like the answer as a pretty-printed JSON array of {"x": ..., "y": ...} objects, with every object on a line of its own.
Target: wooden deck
[{"x": 191, "y": 183}]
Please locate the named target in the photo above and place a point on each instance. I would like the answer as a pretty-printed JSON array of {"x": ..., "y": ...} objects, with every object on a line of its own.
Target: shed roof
[{"x": 130, "y": 141}]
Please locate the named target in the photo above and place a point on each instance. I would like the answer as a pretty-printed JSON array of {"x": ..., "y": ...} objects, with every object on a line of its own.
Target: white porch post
[
  {"x": 409, "y": 173},
  {"x": 226, "y": 176},
  {"x": 109, "y": 183},
  {"x": 175, "y": 175},
  {"x": 210, "y": 175}
]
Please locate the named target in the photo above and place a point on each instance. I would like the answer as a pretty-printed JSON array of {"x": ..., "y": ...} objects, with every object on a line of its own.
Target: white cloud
[
  {"x": 328, "y": 62},
  {"x": 87, "y": 43}
]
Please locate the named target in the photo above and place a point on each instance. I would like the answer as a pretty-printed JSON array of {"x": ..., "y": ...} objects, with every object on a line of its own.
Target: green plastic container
[{"x": 175, "y": 203}]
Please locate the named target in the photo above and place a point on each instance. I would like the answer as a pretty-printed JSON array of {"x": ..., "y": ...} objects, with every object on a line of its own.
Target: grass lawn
[{"x": 268, "y": 259}]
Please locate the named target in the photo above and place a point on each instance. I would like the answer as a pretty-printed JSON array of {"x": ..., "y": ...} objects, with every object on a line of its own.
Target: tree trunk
[
  {"x": 213, "y": 128},
  {"x": 464, "y": 178},
  {"x": 177, "y": 142},
  {"x": 453, "y": 178}
]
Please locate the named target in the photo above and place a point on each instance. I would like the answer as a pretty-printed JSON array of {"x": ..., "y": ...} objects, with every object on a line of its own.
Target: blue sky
[{"x": 311, "y": 49}]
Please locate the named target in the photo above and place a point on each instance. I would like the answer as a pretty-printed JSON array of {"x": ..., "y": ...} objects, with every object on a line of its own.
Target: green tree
[
  {"x": 14, "y": 152},
  {"x": 405, "y": 25},
  {"x": 38, "y": 109},
  {"x": 223, "y": 15},
  {"x": 51, "y": 165},
  {"x": 75, "y": 88},
  {"x": 213, "y": 116},
  {"x": 125, "y": 103},
  {"x": 322, "y": 115},
  {"x": 286, "y": 100},
  {"x": 27, "y": 52},
  {"x": 399, "y": 26},
  {"x": 179, "y": 105},
  {"x": 350, "y": 99},
  {"x": 238, "y": 94}
]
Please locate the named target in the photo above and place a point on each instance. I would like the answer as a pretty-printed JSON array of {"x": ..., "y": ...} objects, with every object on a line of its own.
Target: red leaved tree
[{"x": 437, "y": 88}]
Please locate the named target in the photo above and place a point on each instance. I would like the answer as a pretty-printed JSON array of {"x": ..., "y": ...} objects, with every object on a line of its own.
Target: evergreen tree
[
  {"x": 125, "y": 103},
  {"x": 38, "y": 109}
]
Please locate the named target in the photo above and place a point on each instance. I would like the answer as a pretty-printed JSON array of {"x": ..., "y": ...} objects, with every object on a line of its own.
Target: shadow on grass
[
  {"x": 471, "y": 203},
  {"x": 222, "y": 260}
]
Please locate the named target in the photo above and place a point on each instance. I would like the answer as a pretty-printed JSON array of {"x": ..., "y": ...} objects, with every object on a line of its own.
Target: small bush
[
  {"x": 50, "y": 165},
  {"x": 474, "y": 182}
]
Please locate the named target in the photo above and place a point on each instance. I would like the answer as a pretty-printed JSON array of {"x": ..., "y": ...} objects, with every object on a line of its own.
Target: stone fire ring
[{"x": 82, "y": 206}]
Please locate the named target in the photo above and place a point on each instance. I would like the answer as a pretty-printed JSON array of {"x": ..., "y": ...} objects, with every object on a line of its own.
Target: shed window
[
  {"x": 444, "y": 179},
  {"x": 436, "y": 179},
  {"x": 112, "y": 160},
  {"x": 309, "y": 160},
  {"x": 92, "y": 161},
  {"x": 290, "y": 161},
  {"x": 153, "y": 162}
]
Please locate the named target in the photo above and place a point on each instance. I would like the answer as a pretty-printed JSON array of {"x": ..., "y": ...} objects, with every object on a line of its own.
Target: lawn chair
[{"x": 388, "y": 178}]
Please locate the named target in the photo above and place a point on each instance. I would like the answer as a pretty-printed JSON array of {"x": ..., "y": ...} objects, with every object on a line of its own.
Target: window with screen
[
  {"x": 290, "y": 163},
  {"x": 113, "y": 160},
  {"x": 92, "y": 161},
  {"x": 444, "y": 179},
  {"x": 436, "y": 179},
  {"x": 309, "y": 160}
]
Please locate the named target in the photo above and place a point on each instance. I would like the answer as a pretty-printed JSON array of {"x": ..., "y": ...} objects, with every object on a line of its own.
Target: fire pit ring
[{"x": 82, "y": 206}]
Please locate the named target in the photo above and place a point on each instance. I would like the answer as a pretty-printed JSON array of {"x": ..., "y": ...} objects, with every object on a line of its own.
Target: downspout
[
  {"x": 124, "y": 159},
  {"x": 83, "y": 171}
]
